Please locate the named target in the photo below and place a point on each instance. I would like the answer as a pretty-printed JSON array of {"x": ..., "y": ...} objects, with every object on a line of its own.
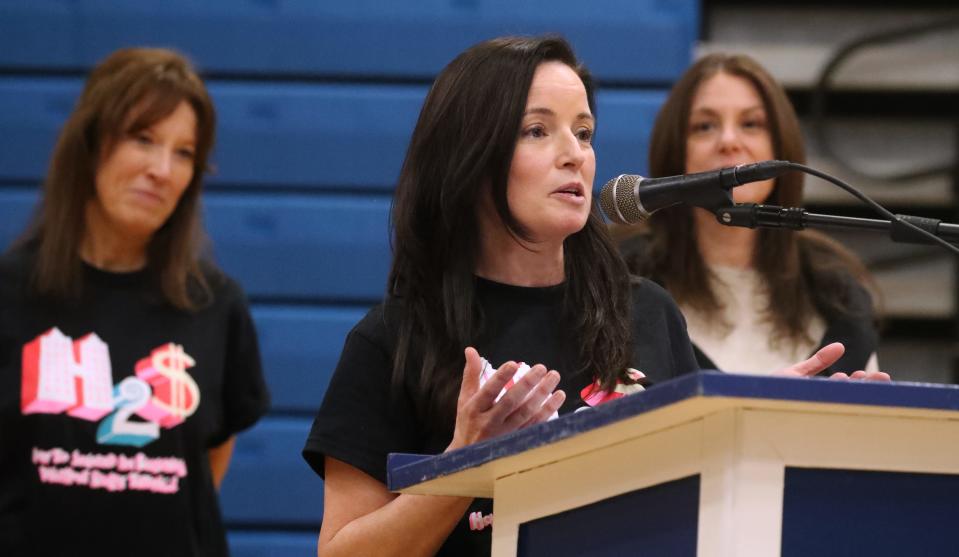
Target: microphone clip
[
  {"x": 751, "y": 215},
  {"x": 712, "y": 199}
]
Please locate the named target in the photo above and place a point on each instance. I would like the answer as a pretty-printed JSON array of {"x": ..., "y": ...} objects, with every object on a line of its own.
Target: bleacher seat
[
  {"x": 245, "y": 543},
  {"x": 316, "y": 137},
  {"x": 268, "y": 482},
  {"x": 634, "y": 41},
  {"x": 317, "y": 248},
  {"x": 300, "y": 346},
  {"x": 337, "y": 246}
]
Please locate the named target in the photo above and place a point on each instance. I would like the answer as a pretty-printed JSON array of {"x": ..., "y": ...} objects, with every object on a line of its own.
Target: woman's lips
[
  {"x": 147, "y": 196},
  {"x": 573, "y": 192}
]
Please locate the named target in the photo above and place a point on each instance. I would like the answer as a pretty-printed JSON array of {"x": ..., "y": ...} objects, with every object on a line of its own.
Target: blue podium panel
[
  {"x": 626, "y": 40},
  {"x": 271, "y": 544},
  {"x": 300, "y": 347},
  {"x": 333, "y": 137},
  {"x": 853, "y": 512},
  {"x": 268, "y": 482},
  {"x": 656, "y": 521},
  {"x": 303, "y": 247}
]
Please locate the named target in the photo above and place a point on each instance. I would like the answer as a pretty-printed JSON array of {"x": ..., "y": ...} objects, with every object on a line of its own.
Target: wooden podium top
[{"x": 472, "y": 471}]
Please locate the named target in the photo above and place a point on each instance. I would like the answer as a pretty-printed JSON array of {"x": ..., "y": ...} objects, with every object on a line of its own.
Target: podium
[{"x": 713, "y": 464}]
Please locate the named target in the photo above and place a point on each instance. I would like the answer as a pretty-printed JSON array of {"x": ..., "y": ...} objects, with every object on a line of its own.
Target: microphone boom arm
[{"x": 751, "y": 215}]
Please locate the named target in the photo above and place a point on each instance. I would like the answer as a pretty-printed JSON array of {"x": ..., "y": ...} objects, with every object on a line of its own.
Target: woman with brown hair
[
  {"x": 128, "y": 360},
  {"x": 754, "y": 300},
  {"x": 500, "y": 253}
]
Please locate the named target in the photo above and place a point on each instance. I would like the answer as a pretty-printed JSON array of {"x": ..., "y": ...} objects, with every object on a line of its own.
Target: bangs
[{"x": 157, "y": 105}]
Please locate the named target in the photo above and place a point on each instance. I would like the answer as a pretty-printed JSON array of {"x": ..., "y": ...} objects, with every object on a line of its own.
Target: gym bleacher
[{"x": 316, "y": 102}]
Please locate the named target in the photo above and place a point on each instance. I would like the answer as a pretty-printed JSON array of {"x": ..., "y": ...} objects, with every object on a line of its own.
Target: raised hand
[
  {"x": 480, "y": 416},
  {"x": 825, "y": 357}
]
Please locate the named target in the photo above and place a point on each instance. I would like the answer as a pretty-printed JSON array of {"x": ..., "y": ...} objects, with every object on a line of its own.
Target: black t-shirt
[
  {"x": 358, "y": 424},
  {"x": 108, "y": 406}
]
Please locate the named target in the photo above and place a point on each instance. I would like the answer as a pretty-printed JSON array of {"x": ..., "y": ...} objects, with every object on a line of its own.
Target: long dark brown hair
[
  {"x": 804, "y": 272},
  {"x": 464, "y": 139},
  {"x": 129, "y": 91}
]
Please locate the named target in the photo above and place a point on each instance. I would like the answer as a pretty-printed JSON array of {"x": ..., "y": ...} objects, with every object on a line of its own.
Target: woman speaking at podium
[
  {"x": 128, "y": 361},
  {"x": 503, "y": 276},
  {"x": 754, "y": 300}
]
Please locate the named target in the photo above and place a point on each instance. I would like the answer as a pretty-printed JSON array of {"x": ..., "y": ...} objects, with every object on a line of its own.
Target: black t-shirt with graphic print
[
  {"x": 108, "y": 406},
  {"x": 358, "y": 424}
]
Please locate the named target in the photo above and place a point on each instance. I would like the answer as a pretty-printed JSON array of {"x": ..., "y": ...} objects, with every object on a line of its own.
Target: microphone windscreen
[{"x": 618, "y": 200}]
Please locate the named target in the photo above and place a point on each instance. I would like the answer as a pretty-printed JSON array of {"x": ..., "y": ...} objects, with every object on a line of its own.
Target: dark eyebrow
[{"x": 549, "y": 112}]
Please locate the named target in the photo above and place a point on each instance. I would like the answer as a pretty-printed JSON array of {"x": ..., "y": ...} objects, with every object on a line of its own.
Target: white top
[{"x": 745, "y": 343}]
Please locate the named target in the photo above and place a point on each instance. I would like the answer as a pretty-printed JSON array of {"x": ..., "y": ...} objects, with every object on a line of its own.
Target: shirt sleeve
[
  {"x": 661, "y": 345},
  {"x": 856, "y": 329},
  {"x": 681, "y": 347},
  {"x": 363, "y": 417},
  {"x": 245, "y": 394}
]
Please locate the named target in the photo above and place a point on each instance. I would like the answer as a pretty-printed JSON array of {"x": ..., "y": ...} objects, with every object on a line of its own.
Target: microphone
[{"x": 629, "y": 199}]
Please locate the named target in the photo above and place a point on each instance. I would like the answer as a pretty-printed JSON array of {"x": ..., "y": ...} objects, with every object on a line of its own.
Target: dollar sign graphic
[{"x": 175, "y": 393}]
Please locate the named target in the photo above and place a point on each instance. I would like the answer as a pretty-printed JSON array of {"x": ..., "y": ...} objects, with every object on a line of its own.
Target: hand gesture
[
  {"x": 479, "y": 415},
  {"x": 825, "y": 357}
]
